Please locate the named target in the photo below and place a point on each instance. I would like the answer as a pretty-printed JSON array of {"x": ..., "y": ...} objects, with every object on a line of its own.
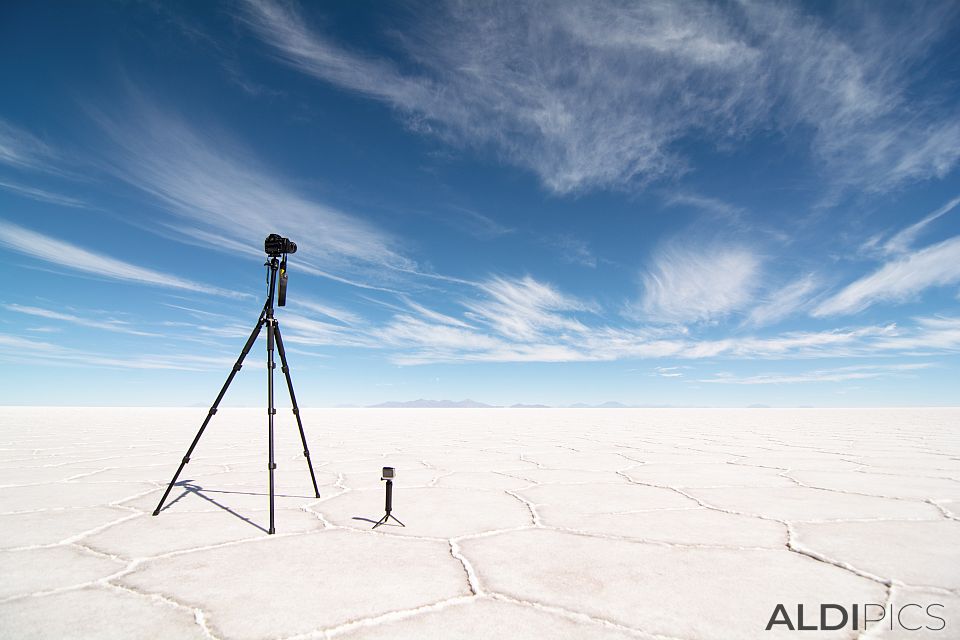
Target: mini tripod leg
[
  {"x": 213, "y": 408},
  {"x": 387, "y": 517},
  {"x": 296, "y": 409}
]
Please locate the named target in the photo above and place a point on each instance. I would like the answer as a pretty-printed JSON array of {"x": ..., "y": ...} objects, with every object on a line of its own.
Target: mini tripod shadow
[
  {"x": 388, "y": 473},
  {"x": 273, "y": 335}
]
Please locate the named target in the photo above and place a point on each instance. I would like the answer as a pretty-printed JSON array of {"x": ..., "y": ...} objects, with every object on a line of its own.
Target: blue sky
[{"x": 717, "y": 204}]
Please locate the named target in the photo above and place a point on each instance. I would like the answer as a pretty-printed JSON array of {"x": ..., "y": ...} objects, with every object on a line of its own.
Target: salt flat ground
[{"x": 519, "y": 523}]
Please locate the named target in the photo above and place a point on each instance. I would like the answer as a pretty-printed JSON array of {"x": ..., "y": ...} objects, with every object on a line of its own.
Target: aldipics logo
[{"x": 909, "y": 617}]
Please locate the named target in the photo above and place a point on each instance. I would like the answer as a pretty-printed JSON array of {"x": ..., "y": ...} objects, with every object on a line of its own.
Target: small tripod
[
  {"x": 388, "y": 473},
  {"x": 273, "y": 334}
]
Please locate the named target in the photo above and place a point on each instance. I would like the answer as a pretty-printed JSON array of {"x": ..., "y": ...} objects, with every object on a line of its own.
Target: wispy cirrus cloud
[
  {"x": 524, "y": 308},
  {"x": 903, "y": 241},
  {"x": 107, "y": 324},
  {"x": 697, "y": 283},
  {"x": 504, "y": 74},
  {"x": 935, "y": 334},
  {"x": 598, "y": 94},
  {"x": 784, "y": 302},
  {"x": 334, "y": 312},
  {"x": 901, "y": 279},
  {"x": 524, "y": 320},
  {"x": 508, "y": 320},
  {"x": 714, "y": 206},
  {"x": 215, "y": 188},
  {"x": 475, "y": 223},
  {"x": 573, "y": 250},
  {"x": 415, "y": 340},
  {"x": 41, "y": 194},
  {"x": 65, "y": 254},
  {"x": 17, "y": 349},
  {"x": 852, "y": 83},
  {"x": 838, "y": 374},
  {"x": 21, "y": 149},
  {"x": 668, "y": 372},
  {"x": 435, "y": 316}
]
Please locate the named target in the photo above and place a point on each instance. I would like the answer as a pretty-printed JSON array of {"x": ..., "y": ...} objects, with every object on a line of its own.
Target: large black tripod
[{"x": 273, "y": 333}]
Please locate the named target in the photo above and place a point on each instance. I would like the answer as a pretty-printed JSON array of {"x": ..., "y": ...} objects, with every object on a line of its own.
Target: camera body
[
  {"x": 388, "y": 473},
  {"x": 276, "y": 245}
]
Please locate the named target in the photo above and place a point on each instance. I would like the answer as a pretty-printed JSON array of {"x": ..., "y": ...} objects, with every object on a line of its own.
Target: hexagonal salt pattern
[
  {"x": 98, "y": 613},
  {"x": 802, "y": 503},
  {"x": 40, "y": 570},
  {"x": 675, "y": 591},
  {"x": 917, "y": 553},
  {"x": 487, "y": 618},
  {"x": 282, "y": 586},
  {"x": 56, "y": 525},
  {"x": 608, "y": 524}
]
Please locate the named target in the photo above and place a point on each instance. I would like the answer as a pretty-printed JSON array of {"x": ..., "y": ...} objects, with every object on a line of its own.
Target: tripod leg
[
  {"x": 296, "y": 409},
  {"x": 381, "y": 521},
  {"x": 271, "y": 411},
  {"x": 397, "y": 519},
  {"x": 213, "y": 409}
]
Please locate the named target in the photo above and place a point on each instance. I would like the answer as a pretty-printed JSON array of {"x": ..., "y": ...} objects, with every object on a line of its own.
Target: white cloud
[
  {"x": 705, "y": 203},
  {"x": 784, "y": 302},
  {"x": 844, "y": 342},
  {"x": 418, "y": 341},
  {"x": 840, "y": 374},
  {"x": 336, "y": 313},
  {"x": 524, "y": 320},
  {"x": 23, "y": 350},
  {"x": 71, "y": 256},
  {"x": 523, "y": 309},
  {"x": 21, "y": 149},
  {"x": 691, "y": 284},
  {"x": 932, "y": 334},
  {"x": 116, "y": 326},
  {"x": 408, "y": 331},
  {"x": 899, "y": 280},
  {"x": 305, "y": 330},
  {"x": 227, "y": 198},
  {"x": 669, "y": 372},
  {"x": 573, "y": 250},
  {"x": 546, "y": 87},
  {"x": 475, "y": 223},
  {"x": 436, "y": 316},
  {"x": 850, "y": 81},
  {"x": 41, "y": 194},
  {"x": 903, "y": 241},
  {"x": 598, "y": 93}
]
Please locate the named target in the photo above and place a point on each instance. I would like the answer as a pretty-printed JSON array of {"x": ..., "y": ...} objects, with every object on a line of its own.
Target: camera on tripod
[{"x": 276, "y": 245}]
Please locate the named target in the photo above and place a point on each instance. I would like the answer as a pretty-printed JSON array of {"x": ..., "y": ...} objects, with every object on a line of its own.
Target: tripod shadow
[{"x": 197, "y": 490}]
